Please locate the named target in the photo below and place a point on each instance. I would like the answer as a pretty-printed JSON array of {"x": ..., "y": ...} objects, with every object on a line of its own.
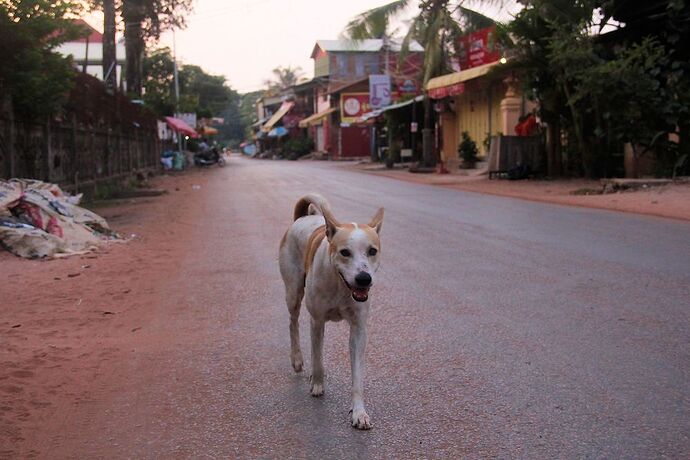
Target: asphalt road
[{"x": 499, "y": 328}]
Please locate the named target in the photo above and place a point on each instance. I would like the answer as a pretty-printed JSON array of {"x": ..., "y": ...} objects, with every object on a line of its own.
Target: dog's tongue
[{"x": 360, "y": 295}]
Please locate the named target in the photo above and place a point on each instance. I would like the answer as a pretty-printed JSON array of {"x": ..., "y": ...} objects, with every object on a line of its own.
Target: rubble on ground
[{"x": 39, "y": 220}]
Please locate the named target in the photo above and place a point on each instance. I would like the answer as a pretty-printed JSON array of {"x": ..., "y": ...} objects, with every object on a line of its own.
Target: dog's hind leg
[
  {"x": 317, "y": 373},
  {"x": 293, "y": 297}
]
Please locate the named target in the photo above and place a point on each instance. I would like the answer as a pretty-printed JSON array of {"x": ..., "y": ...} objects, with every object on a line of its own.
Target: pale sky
[{"x": 245, "y": 39}]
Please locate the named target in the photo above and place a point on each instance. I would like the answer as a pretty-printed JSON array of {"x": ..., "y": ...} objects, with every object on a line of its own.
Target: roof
[
  {"x": 93, "y": 35},
  {"x": 336, "y": 87},
  {"x": 459, "y": 77},
  {"x": 369, "y": 45}
]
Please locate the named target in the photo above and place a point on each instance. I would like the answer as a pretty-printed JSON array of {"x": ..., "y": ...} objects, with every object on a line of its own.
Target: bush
[
  {"x": 297, "y": 147},
  {"x": 468, "y": 150}
]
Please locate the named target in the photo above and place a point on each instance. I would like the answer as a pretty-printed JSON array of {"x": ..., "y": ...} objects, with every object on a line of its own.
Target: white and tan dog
[{"x": 332, "y": 265}]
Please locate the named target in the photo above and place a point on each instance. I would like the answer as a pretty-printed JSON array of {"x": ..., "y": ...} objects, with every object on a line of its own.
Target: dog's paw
[
  {"x": 315, "y": 388},
  {"x": 297, "y": 362},
  {"x": 360, "y": 419}
]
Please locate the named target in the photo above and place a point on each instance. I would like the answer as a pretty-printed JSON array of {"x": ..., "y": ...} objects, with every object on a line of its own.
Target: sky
[{"x": 245, "y": 39}]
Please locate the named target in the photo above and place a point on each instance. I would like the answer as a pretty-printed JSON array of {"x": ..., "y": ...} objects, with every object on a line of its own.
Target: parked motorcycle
[{"x": 209, "y": 157}]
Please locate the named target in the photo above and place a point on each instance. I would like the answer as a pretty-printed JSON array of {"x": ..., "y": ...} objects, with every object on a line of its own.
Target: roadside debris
[{"x": 37, "y": 220}]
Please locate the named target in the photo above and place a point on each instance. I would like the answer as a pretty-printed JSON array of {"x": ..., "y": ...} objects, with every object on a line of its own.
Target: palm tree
[
  {"x": 283, "y": 78},
  {"x": 437, "y": 27}
]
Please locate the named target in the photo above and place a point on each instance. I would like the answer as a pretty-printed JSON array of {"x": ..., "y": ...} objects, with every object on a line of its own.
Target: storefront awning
[
  {"x": 377, "y": 112},
  {"x": 179, "y": 126},
  {"x": 278, "y": 131},
  {"x": 259, "y": 123},
  {"x": 316, "y": 118},
  {"x": 208, "y": 131},
  {"x": 453, "y": 84},
  {"x": 284, "y": 108}
]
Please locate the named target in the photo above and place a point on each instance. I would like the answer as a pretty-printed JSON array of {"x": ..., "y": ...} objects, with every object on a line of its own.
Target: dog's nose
[{"x": 363, "y": 279}]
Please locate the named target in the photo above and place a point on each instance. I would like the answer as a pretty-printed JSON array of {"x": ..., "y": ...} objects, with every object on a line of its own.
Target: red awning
[
  {"x": 445, "y": 91},
  {"x": 181, "y": 127}
]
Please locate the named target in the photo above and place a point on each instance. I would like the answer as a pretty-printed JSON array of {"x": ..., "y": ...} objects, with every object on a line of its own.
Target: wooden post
[
  {"x": 74, "y": 159},
  {"x": 47, "y": 148},
  {"x": 10, "y": 148}
]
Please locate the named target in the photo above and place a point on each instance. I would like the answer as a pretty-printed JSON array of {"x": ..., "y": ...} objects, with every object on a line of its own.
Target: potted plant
[{"x": 468, "y": 151}]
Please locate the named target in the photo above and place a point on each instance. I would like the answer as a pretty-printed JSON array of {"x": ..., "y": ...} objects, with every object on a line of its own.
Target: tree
[
  {"x": 283, "y": 78},
  {"x": 603, "y": 89},
  {"x": 437, "y": 27},
  {"x": 36, "y": 77},
  {"x": 109, "y": 48},
  {"x": 204, "y": 94},
  {"x": 146, "y": 20}
]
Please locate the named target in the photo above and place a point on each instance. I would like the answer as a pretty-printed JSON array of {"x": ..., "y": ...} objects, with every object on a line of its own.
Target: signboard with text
[
  {"x": 379, "y": 91},
  {"x": 353, "y": 106},
  {"x": 478, "y": 48}
]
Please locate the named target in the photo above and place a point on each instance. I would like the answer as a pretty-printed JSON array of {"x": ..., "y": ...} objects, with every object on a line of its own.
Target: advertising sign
[
  {"x": 379, "y": 91},
  {"x": 478, "y": 48},
  {"x": 353, "y": 106}
]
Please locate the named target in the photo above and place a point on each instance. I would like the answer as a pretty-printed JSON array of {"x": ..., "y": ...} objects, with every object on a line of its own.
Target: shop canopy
[
  {"x": 208, "y": 131},
  {"x": 377, "y": 112},
  {"x": 454, "y": 83},
  {"x": 284, "y": 108},
  {"x": 278, "y": 131},
  {"x": 316, "y": 118},
  {"x": 179, "y": 126}
]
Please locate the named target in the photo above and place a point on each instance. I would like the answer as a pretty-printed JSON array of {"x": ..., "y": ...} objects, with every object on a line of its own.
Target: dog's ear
[
  {"x": 332, "y": 224},
  {"x": 377, "y": 221}
]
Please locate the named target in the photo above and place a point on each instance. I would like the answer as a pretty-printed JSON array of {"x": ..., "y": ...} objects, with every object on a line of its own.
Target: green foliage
[
  {"x": 468, "y": 149},
  {"x": 204, "y": 94},
  {"x": 603, "y": 92},
  {"x": 37, "y": 78},
  {"x": 299, "y": 146},
  {"x": 159, "y": 81}
]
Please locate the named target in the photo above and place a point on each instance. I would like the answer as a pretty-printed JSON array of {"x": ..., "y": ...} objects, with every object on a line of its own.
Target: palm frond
[{"x": 374, "y": 23}]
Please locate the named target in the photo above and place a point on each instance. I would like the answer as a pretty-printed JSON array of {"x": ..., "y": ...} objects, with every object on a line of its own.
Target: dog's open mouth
[{"x": 358, "y": 294}]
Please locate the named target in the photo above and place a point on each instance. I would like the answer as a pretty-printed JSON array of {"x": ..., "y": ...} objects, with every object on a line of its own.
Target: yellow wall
[{"x": 478, "y": 111}]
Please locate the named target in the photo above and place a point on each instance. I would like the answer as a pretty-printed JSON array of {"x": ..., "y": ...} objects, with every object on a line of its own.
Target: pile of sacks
[{"x": 38, "y": 219}]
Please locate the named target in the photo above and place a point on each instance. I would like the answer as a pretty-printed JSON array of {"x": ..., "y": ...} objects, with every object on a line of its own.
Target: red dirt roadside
[
  {"x": 671, "y": 201},
  {"x": 64, "y": 321}
]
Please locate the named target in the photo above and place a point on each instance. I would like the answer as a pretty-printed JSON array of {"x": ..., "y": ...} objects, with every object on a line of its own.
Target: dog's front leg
[
  {"x": 316, "y": 357},
  {"x": 358, "y": 344}
]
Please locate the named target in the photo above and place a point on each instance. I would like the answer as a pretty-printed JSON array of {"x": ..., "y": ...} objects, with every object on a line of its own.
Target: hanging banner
[
  {"x": 353, "y": 106},
  {"x": 478, "y": 48},
  {"x": 379, "y": 91}
]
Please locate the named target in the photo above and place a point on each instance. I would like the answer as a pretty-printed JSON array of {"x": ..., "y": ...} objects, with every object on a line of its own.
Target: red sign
[
  {"x": 479, "y": 48},
  {"x": 446, "y": 91},
  {"x": 353, "y": 106}
]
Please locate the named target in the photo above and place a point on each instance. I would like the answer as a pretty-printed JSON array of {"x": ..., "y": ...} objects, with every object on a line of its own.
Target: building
[
  {"x": 482, "y": 99},
  {"x": 89, "y": 50},
  {"x": 346, "y": 66}
]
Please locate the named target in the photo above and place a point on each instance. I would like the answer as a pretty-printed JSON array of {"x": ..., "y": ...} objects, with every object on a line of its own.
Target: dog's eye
[
  {"x": 345, "y": 253},
  {"x": 373, "y": 251}
]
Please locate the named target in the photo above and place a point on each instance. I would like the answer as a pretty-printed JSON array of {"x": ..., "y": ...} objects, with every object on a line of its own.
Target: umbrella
[{"x": 279, "y": 131}]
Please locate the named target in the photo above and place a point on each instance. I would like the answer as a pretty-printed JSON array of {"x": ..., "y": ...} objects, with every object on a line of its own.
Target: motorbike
[{"x": 209, "y": 157}]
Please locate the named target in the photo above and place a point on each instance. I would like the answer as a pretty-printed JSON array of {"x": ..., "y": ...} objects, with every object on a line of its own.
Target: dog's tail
[{"x": 312, "y": 204}]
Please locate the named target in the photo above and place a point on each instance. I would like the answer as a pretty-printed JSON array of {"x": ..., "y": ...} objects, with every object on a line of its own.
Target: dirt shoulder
[
  {"x": 672, "y": 201},
  {"x": 67, "y": 323}
]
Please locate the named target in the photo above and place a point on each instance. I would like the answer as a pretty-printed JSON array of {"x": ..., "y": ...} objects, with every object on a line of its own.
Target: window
[{"x": 359, "y": 65}]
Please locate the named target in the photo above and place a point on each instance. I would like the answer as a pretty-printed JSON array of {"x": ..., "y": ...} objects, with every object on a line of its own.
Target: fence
[
  {"x": 507, "y": 152},
  {"x": 69, "y": 154},
  {"x": 99, "y": 137}
]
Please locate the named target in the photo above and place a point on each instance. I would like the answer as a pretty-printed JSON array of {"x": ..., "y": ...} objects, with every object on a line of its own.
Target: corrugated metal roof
[{"x": 367, "y": 45}]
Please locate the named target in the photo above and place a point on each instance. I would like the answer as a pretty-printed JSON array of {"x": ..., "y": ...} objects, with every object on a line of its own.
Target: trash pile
[{"x": 37, "y": 219}]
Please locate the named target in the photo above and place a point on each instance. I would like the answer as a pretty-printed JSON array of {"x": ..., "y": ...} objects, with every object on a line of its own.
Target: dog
[{"x": 332, "y": 265}]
